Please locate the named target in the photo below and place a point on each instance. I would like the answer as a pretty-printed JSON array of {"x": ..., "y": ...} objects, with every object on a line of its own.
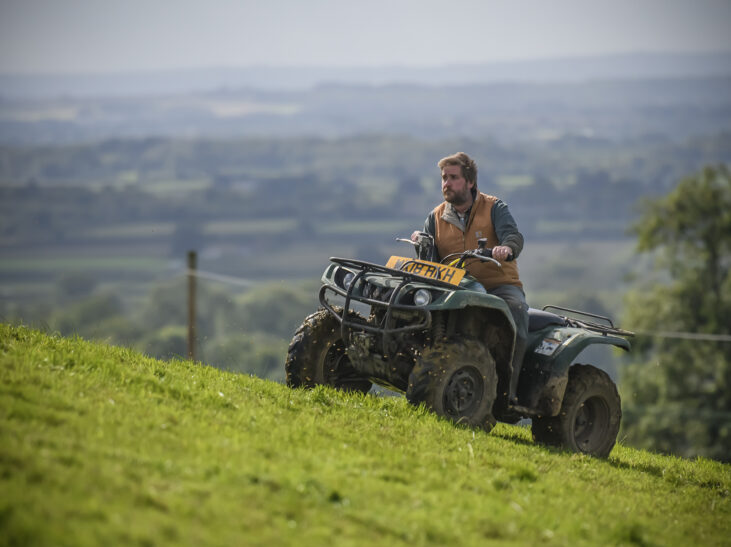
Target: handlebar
[
  {"x": 488, "y": 253},
  {"x": 482, "y": 253},
  {"x": 479, "y": 254}
]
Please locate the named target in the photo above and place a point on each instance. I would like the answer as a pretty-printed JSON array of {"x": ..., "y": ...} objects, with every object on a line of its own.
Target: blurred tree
[
  {"x": 118, "y": 330},
  {"x": 277, "y": 309},
  {"x": 166, "y": 343},
  {"x": 99, "y": 317},
  {"x": 257, "y": 354},
  {"x": 85, "y": 316},
  {"x": 678, "y": 391},
  {"x": 167, "y": 305}
]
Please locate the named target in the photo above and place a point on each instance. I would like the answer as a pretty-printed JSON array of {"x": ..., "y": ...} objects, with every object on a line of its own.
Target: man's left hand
[{"x": 502, "y": 252}]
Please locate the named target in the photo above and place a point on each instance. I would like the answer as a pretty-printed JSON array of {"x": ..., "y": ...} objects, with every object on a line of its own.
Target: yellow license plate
[{"x": 424, "y": 268}]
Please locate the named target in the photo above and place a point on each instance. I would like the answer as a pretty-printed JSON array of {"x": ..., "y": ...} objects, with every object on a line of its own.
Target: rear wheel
[
  {"x": 590, "y": 414},
  {"x": 456, "y": 379},
  {"x": 317, "y": 355}
]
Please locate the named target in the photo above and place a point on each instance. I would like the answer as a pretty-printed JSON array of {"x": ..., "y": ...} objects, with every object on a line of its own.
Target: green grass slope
[{"x": 103, "y": 446}]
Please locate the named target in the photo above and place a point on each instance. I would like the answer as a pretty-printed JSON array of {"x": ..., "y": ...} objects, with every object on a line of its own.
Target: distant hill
[
  {"x": 622, "y": 108},
  {"x": 577, "y": 69},
  {"x": 103, "y": 446}
]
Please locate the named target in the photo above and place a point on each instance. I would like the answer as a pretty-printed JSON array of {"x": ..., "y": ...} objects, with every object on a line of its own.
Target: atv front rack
[
  {"x": 369, "y": 267},
  {"x": 387, "y": 329},
  {"x": 607, "y": 328}
]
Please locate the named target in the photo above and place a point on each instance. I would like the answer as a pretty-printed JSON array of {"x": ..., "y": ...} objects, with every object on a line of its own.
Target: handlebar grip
[{"x": 488, "y": 253}]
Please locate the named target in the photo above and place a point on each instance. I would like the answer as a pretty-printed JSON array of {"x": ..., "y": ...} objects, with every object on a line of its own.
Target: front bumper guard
[{"x": 387, "y": 329}]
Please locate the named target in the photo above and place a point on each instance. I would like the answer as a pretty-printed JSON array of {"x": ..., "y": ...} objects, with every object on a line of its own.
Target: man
[{"x": 467, "y": 215}]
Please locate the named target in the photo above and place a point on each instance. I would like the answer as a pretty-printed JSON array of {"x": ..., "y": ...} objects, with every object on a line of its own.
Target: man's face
[{"x": 455, "y": 188}]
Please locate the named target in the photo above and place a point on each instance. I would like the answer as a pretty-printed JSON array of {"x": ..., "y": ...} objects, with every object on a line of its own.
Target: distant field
[
  {"x": 165, "y": 187},
  {"x": 598, "y": 267},
  {"x": 133, "y": 230},
  {"x": 389, "y": 229},
  {"x": 24, "y": 291},
  {"x": 70, "y": 263},
  {"x": 576, "y": 227},
  {"x": 514, "y": 181},
  {"x": 269, "y": 226}
]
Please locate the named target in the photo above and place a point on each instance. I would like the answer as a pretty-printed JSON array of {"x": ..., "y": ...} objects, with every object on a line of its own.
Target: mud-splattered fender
[
  {"x": 464, "y": 299},
  {"x": 550, "y": 354}
]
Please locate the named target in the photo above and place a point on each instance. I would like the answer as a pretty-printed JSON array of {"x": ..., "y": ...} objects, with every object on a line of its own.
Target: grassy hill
[{"x": 103, "y": 446}]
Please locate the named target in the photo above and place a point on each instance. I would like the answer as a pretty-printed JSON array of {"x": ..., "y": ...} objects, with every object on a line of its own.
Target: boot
[
  {"x": 513, "y": 388},
  {"x": 517, "y": 363}
]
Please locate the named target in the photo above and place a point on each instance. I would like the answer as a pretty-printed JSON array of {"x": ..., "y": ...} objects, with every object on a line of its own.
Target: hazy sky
[{"x": 112, "y": 35}]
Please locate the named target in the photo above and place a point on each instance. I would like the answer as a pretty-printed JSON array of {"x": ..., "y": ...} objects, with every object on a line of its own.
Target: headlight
[
  {"x": 422, "y": 297},
  {"x": 348, "y": 279}
]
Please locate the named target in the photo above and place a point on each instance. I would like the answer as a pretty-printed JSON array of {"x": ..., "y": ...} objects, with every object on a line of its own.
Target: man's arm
[
  {"x": 430, "y": 225},
  {"x": 506, "y": 228},
  {"x": 429, "y": 228}
]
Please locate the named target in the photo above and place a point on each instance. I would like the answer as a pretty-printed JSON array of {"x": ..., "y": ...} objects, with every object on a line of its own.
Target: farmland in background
[{"x": 93, "y": 236}]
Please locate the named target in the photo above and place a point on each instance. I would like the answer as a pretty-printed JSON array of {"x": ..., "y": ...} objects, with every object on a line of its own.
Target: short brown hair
[{"x": 467, "y": 164}]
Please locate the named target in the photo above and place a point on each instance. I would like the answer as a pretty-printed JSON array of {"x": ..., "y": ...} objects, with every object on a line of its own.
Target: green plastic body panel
[{"x": 549, "y": 354}]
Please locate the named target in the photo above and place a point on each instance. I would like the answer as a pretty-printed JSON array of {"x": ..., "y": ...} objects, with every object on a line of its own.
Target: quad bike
[{"x": 431, "y": 331}]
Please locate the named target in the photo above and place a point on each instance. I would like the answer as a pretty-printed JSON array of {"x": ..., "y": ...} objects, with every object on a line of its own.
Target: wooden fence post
[{"x": 191, "y": 304}]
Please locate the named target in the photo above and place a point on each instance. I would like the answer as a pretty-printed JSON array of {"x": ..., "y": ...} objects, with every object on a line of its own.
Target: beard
[{"x": 457, "y": 198}]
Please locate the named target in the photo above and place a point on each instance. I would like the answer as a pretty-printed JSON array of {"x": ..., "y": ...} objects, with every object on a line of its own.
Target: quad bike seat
[{"x": 539, "y": 319}]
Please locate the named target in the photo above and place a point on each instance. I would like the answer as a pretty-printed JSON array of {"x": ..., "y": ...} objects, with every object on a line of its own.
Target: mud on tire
[
  {"x": 316, "y": 355},
  {"x": 590, "y": 414},
  {"x": 457, "y": 380}
]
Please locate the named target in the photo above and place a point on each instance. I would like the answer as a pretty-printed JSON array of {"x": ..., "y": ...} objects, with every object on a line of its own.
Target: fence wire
[{"x": 221, "y": 278}]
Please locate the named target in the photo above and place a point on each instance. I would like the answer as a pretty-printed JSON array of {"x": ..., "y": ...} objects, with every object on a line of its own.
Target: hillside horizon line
[{"x": 631, "y": 65}]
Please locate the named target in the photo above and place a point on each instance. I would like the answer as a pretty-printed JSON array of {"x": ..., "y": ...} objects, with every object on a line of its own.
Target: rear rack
[{"x": 605, "y": 329}]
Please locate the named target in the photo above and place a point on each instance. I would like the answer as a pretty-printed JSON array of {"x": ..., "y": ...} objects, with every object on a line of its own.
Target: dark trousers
[{"x": 515, "y": 299}]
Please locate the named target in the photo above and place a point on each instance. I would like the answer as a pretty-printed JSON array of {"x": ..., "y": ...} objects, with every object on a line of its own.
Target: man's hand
[
  {"x": 415, "y": 236},
  {"x": 502, "y": 252}
]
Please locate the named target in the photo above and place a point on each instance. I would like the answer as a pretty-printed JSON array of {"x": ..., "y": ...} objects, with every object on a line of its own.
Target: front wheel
[
  {"x": 456, "y": 379},
  {"x": 590, "y": 414},
  {"x": 317, "y": 355}
]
